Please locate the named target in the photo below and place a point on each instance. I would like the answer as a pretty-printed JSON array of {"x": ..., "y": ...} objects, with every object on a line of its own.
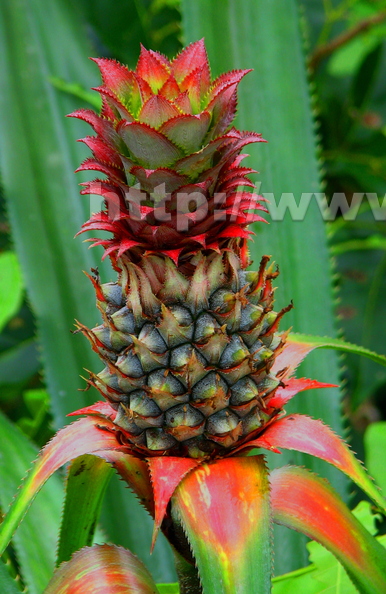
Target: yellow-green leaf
[{"x": 11, "y": 287}]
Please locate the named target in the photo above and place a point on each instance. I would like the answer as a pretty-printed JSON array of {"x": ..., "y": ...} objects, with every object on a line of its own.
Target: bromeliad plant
[{"x": 196, "y": 373}]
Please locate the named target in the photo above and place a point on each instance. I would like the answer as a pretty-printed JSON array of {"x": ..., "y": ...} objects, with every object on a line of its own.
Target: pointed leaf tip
[
  {"x": 153, "y": 68},
  {"x": 115, "y": 76},
  {"x": 166, "y": 474},
  {"x": 292, "y": 387},
  {"x": 311, "y": 436},
  {"x": 192, "y": 57}
]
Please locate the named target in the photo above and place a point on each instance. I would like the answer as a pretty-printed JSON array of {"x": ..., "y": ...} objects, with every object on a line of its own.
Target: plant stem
[
  {"x": 187, "y": 576},
  {"x": 325, "y": 50}
]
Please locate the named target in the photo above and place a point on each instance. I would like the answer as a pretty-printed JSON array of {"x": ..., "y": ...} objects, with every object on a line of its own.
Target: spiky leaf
[
  {"x": 224, "y": 511},
  {"x": 304, "y": 502},
  {"x": 35, "y": 542},
  {"x": 87, "y": 480}
]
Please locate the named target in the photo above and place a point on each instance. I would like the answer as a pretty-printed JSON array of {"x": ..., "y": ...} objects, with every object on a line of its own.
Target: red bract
[{"x": 164, "y": 129}]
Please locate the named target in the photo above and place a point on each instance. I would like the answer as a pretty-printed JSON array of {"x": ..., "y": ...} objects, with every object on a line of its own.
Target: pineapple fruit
[{"x": 188, "y": 336}]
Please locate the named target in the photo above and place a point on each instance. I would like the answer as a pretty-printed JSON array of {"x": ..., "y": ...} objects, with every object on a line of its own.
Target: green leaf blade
[
  {"x": 375, "y": 444},
  {"x": 87, "y": 480},
  {"x": 7, "y": 584},
  {"x": 11, "y": 287},
  {"x": 44, "y": 206},
  {"x": 35, "y": 542},
  {"x": 338, "y": 344}
]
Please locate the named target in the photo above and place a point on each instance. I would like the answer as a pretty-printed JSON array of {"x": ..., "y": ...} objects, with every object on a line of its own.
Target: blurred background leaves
[{"x": 43, "y": 60}]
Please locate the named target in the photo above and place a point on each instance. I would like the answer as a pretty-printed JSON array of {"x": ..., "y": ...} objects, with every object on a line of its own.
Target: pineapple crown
[{"x": 171, "y": 159}]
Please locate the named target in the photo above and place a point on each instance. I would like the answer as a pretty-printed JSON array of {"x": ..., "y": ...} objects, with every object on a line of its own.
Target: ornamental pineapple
[{"x": 189, "y": 336}]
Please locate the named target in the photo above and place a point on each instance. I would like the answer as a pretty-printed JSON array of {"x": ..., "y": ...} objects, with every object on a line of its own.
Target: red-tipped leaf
[
  {"x": 86, "y": 436},
  {"x": 292, "y": 387},
  {"x": 153, "y": 68},
  {"x": 115, "y": 76},
  {"x": 166, "y": 474},
  {"x": 306, "y": 503},
  {"x": 224, "y": 510},
  {"x": 192, "y": 57},
  {"x": 311, "y": 436},
  {"x": 102, "y": 570}
]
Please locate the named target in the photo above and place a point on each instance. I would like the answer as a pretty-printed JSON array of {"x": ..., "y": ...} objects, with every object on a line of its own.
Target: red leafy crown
[{"x": 174, "y": 181}]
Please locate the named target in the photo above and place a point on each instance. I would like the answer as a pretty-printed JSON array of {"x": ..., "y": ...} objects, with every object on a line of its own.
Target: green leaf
[
  {"x": 35, "y": 541},
  {"x": 223, "y": 509},
  {"x": 82, "y": 437},
  {"x": 7, "y": 584},
  {"x": 102, "y": 569},
  {"x": 38, "y": 155},
  {"x": 134, "y": 530},
  {"x": 274, "y": 100},
  {"x": 363, "y": 316},
  {"x": 37, "y": 403},
  {"x": 325, "y": 342},
  {"x": 75, "y": 89},
  {"x": 168, "y": 588},
  {"x": 365, "y": 78},
  {"x": 87, "y": 480},
  {"x": 373, "y": 242},
  {"x": 19, "y": 363},
  {"x": 11, "y": 287},
  {"x": 375, "y": 445}
]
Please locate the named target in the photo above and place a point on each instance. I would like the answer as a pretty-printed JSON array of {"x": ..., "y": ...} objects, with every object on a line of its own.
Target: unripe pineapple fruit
[{"x": 189, "y": 337}]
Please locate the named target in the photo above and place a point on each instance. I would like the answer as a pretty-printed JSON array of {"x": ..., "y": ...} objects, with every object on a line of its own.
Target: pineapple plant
[
  {"x": 189, "y": 336},
  {"x": 195, "y": 371}
]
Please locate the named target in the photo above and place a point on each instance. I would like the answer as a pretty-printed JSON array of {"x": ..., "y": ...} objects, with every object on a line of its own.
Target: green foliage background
[{"x": 332, "y": 130}]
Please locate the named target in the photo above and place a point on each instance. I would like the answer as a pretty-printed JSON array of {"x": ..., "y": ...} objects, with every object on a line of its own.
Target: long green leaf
[
  {"x": 168, "y": 588},
  {"x": 82, "y": 437},
  {"x": 11, "y": 287},
  {"x": 375, "y": 442},
  {"x": 274, "y": 100},
  {"x": 86, "y": 484},
  {"x": 224, "y": 510},
  {"x": 35, "y": 542},
  {"x": 38, "y": 155},
  {"x": 7, "y": 584},
  {"x": 325, "y": 342}
]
